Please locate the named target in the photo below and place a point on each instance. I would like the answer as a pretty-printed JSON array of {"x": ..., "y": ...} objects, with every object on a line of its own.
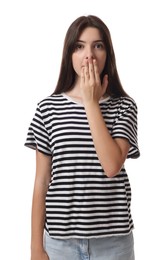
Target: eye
[
  {"x": 78, "y": 46},
  {"x": 99, "y": 45}
]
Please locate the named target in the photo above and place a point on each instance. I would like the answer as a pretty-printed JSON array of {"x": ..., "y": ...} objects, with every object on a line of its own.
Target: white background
[{"x": 31, "y": 38}]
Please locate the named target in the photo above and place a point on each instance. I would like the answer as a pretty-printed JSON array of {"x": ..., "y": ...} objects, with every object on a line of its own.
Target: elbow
[{"x": 112, "y": 171}]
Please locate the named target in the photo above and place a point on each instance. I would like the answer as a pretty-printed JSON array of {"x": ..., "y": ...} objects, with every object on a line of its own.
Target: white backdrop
[{"x": 32, "y": 34}]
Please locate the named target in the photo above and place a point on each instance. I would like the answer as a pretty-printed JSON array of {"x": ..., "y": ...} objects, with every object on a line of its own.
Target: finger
[
  {"x": 86, "y": 71},
  {"x": 96, "y": 71},
  {"x": 82, "y": 75},
  {"x": 91, "y": 71}
]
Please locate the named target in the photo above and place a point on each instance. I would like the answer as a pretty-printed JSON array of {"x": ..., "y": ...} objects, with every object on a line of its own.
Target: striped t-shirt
[{"x": 81, "y": 201}]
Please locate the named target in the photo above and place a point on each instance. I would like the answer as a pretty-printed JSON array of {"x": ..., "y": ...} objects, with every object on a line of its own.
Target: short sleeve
[
  {"x": 126, "y": 126},
  {"x": 37, "y": 136}
]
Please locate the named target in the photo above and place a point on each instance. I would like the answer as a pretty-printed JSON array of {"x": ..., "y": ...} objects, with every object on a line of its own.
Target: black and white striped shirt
[{"x": 81, "y": 201}]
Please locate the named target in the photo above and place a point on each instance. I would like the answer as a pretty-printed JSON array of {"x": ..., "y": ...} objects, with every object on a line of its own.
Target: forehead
[{"x": 90, "y": 34}]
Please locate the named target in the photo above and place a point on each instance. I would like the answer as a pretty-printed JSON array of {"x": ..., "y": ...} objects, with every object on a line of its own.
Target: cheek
[
  {"x": 77, "y": 63},
  {"x": 102, "y": 64}
]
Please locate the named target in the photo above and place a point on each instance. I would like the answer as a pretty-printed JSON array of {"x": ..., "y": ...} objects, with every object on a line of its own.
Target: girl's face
[{"x": 88, "y": 47}]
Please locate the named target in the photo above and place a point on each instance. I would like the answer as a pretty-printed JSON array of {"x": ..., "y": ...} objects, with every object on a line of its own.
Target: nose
[{"x": 89, "y": 53}]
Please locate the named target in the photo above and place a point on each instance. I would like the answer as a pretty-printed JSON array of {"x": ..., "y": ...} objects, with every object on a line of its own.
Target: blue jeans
[{"x": 109, "y": 248}]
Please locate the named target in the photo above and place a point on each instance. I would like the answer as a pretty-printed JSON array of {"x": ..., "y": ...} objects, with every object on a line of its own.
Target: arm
[
  {"x": 42, "y": 179},
  {"x": 111, "y": 152}
]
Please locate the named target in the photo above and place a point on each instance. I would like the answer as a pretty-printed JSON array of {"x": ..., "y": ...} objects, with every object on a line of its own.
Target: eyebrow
[{"x": 93, "y": 41}]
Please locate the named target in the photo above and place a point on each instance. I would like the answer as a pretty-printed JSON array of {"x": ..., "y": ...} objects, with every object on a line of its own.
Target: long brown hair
[{"x": 67, "y": 74}]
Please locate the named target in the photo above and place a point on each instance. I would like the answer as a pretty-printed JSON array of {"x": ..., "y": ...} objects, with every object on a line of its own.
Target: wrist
[{"x": 91, "y": 104}]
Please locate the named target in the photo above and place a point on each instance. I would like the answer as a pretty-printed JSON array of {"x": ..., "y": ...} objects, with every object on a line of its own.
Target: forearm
[
  {"x": 107, "y": 149},
  {"x": 38, "y": 216}
]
